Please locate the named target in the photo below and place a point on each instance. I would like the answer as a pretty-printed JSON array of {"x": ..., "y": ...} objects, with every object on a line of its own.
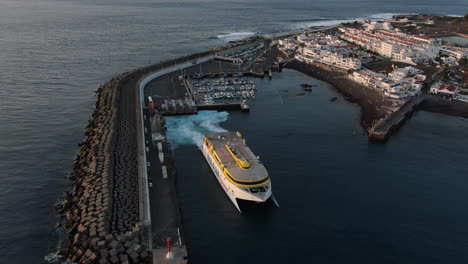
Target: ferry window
[
  {"x": 254, "y": 190},
  {"x": 257, "y": 189}
]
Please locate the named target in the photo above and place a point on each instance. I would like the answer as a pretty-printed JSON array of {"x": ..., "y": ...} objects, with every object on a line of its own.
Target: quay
[
  {"x": 225, "y": 106},
  {"x": 382, "y": 130}
]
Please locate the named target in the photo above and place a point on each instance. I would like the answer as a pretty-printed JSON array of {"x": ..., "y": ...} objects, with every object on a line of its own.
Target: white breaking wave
[
  {"x": 381, "y": 16},
  {"x": 189, "y": 130},
  {"x": 328, "y": 23},
  {"x": 324, "y": 23},
  {"x": 234, "y": 36}
]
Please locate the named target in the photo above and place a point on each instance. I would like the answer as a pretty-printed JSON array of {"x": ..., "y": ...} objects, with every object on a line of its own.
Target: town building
[
  {"x": 457, "y": 52},
  {"x": 393, "y": 44},
  {"x": 328, "y": 49},
  {"x": 398, "y": 84},
  {"x": 448, "y": 90},
  {"x": 450, "y": 61}
]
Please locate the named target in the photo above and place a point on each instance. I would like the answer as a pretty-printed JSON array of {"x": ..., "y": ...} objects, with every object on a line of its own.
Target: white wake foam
[
  {"x": 189, "y": 130},
  {"x": 233, "y": 36}
]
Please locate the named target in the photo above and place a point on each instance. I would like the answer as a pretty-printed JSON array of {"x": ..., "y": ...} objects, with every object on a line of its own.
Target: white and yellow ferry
[{"x": 238, "y": 170}]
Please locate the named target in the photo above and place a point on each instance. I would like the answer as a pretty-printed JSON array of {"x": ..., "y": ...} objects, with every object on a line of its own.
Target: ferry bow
[{"x": 239, "y": 172}]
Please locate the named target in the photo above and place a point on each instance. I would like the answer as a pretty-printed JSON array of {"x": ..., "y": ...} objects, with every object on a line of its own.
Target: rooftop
[{"x": 237, "y": 149}]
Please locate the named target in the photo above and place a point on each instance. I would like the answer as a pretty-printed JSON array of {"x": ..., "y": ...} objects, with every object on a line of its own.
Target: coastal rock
[
  {"x": 101, "y": 211},
  {"x": 103, "y": 253},
  {"x": 114, "y": 259},
  {"x": 113, "y": 252},
  {"x": 88, "y": 253},
  {"x": 144, "y": 255},
  {"x": 134, "y": 257},
  {"x": 114, "y": 244}
]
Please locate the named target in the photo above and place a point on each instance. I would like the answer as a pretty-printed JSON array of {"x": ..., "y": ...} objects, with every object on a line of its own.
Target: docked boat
[
  {"x": 244, "y": 106},
  {"x": 239, "y": 172}
]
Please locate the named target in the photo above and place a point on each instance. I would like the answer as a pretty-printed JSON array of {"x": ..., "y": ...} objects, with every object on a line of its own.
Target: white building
[
  {"x": 405, "y": 72},
  {"x": 400, "y": 83},
  {"x": 450, "y": 61},
  {"x": 393, "y": 44},
  {"x": 456, "y": 52},
  {"x": 444, "y": 89},
  {"x": 327, "y": 49}
]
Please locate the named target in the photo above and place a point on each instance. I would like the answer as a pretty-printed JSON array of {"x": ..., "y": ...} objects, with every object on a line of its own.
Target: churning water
[{"x": 189, "y": 130}]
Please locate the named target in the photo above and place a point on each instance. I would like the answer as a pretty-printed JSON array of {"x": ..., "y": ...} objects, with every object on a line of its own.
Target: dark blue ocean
[{"x": 342, "y": 199}]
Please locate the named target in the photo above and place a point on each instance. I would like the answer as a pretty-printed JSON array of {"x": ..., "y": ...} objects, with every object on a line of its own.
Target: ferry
[{"x": 239, "y": 172}]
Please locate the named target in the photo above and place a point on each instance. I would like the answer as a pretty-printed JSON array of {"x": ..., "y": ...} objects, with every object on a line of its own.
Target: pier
[
  {"x": 164, "y": 206},
  {"x": 383, "y": 129}
]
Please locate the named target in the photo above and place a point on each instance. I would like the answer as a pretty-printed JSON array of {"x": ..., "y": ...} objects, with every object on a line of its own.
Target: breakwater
[{"x": 102, "y": 213}]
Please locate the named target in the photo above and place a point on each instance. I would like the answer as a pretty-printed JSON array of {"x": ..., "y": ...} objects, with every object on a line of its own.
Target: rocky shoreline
[
  {"x": 437, "y": 104},
  {"x": 373, "y": 105}
]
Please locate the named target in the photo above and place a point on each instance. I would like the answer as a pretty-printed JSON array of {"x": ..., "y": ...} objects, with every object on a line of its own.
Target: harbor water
[
  {"x": 342, "y": 199},
  {"x": 456, "y": 39},
  {"x": 339, "y": 196}
]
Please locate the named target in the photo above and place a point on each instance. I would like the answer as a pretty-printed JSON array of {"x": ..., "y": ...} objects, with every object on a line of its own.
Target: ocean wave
[
  {"x": 233, "y": 36},
  {"x": 332, "y": 22},
  {"x": 189, "y": 130}
]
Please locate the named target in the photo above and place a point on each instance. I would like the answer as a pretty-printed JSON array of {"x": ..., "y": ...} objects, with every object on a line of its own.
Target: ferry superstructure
[{"x": 239, "y": 172}]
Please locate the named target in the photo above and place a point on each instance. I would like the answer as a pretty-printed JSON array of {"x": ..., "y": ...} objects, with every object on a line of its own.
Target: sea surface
[
  {"x": 456, "y": 39},
  {"x": 341, "y": 198}
]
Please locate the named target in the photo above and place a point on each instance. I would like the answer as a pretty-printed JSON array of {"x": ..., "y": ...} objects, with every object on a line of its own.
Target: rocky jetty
[{"x": 102, "y": 212}]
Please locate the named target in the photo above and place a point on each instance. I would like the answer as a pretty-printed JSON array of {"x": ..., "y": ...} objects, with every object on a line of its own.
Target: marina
[
  {"x": 222, "y": 90},
  {"x": 222, "y": 82}
]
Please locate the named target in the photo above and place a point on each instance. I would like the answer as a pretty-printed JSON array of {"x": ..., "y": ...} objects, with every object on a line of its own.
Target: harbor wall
[{"x": 101, "y": 213}]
